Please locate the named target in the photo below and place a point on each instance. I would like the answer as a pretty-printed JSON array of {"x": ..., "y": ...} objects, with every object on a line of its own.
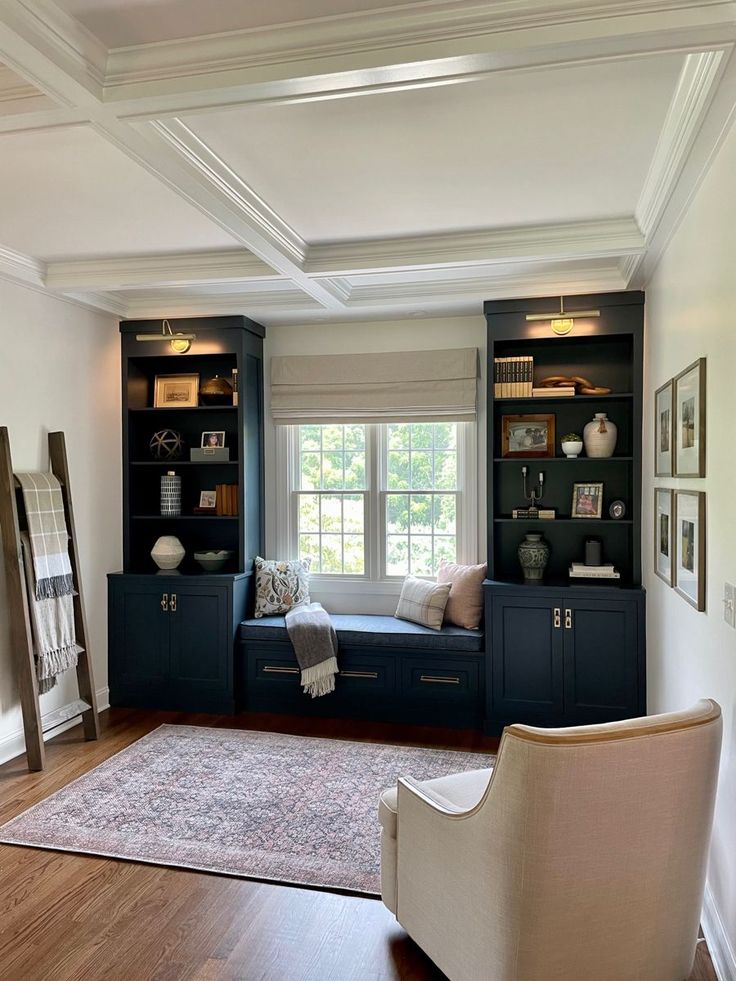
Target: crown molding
[
  {"x": 21, "y": 268},
  {"x": 15, "y": 89},
  {"x": 173, "y": 305},
  {"x": 95, "y": 300},
  {"x": 156, "y": 270},
  {"x": 695, "y": 87},
  {"x": 525, "y": 243}
]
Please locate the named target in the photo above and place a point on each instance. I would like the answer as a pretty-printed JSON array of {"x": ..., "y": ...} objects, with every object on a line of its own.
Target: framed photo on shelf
[
  {"x": 689, "y": 547},
  {"x": 689, "y": 413},
  {"x": 208, "y": 500},
  {"x": 587, "y": 500},
  {"x": 176, "y": 391},
  {"x": 528, "y": 435},
  {"x": 213, "y": 440},
  {"x": 663, "y": 430},
  {"x": 664, "y": 527}
]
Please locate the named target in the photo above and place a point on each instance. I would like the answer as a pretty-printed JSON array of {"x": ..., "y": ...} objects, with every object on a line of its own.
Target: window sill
[{"x": 339, "y": 585}]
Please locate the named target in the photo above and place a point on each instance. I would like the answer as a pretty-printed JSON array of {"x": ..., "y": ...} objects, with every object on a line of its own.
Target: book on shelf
[
  {"x": 226, "y": 498},
  {"x": 563, "y": 392},
  {"x": 579, "y": 570},
  {"x": 513, "y": 377},
  {"x": 543, "y": 514}
]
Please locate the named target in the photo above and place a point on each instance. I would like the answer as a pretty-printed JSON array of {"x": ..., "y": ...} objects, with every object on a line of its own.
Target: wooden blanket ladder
[{"x": 12, "y": 519}]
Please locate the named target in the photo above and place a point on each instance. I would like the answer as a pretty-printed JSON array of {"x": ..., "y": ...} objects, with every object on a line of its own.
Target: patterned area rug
[{"x": 260, "y": 805}]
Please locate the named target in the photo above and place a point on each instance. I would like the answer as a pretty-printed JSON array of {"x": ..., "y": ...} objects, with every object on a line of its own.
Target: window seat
[
  {"x": 390, "y": 670},
  {"x": 375, "y": 631}
]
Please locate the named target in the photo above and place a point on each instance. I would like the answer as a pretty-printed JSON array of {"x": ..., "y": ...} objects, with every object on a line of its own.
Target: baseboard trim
[
  {"x": 14, "y": 743},
  {"x": 722, "y": 955}
]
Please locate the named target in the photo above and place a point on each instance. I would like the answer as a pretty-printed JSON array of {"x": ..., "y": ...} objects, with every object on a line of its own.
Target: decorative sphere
[{"x": 166, "y": 444}]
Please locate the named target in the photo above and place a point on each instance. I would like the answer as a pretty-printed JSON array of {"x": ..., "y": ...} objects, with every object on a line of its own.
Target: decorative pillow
[
  {"x": 280, "y": 585},
  {"x": 423, "y": 602},
  {"x": 465, "y": 605}
]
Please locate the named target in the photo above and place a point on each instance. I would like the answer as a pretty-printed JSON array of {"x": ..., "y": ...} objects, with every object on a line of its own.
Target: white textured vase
[
  {"x": 168, "y": 552},
  {"x": 599, "y": 436}
]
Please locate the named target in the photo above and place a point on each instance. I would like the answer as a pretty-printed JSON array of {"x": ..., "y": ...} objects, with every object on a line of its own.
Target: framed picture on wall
[
  {"x": 529, "y": 435},
  {"x": 689, "y": 410},
  {"x": 664, "y": 506},
  {"x": 663, "y": 430},
  {"x": 689, "y": 547}
]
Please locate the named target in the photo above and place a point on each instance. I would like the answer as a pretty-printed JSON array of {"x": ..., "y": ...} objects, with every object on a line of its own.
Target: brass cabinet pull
[
  {"x": 557, "y": 621},
  {"x": 173, "y": 603},
  {"x": 373, "y": 675},
  {"x": 274, "y": 669},
  {"x": 568, "y": 619},
  {"x": 165, "y": 602},
  {"x": 436, "y": 680}
]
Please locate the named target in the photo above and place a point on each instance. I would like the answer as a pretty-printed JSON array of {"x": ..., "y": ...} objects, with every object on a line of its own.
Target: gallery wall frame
[
  {"x": 664, "y": 529},
  {"x": 688, "y": 411},
  {"x": 664, "y": 430},
  {"x": 689, "y": 547}
]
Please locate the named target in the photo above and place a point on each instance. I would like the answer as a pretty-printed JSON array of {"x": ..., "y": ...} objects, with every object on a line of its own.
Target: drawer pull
[
  {"x": 372, "y": 675},
  {"x": 274, "y": 669},
  {"x": 433, "y": 679}
]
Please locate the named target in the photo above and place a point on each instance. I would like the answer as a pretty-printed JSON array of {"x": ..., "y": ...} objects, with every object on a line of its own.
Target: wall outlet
[{"x": 729, "y": 597}]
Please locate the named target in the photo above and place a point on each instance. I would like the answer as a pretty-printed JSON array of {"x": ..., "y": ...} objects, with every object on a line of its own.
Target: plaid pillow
[
  {"x": 423, "y": 602},
  {"x": 280, "y": 585}
]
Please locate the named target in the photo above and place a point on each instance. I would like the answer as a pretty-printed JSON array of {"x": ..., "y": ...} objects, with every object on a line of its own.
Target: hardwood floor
[{"x": 66, "y": 916}]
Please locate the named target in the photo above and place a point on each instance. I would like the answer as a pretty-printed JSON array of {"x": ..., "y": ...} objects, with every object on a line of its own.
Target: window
[{"x": 380, "y": 501}]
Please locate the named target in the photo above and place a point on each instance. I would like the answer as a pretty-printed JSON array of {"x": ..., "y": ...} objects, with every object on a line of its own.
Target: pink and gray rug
[{"x": 259, "y": 805}]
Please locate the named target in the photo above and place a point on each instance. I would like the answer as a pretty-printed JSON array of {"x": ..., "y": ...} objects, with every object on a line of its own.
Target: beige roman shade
[{"x": 363, "y": 388}]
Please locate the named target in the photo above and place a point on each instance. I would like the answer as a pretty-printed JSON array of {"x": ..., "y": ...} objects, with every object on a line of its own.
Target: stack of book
[
  {"x": 227, "y": 500},
  {"x": 579, "y": 570},
  {"x": 563, "y": 391},
  {"x": 513, "y": 377},
  {"x": 544, "y": 514}
]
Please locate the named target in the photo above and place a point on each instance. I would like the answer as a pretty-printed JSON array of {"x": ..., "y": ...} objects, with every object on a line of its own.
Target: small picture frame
[
  {"x": 689, "y": 547},
  {"x": 213, "y": 440},
  {"x": 689, "y": 413},
  {"x": 664, "y": 430},
  {"x": 208, "y": 500},
  {"x": 664, "y": 529},
  {"x": 528, "y": 436},
  {"x": 176, "y": 391},
  {"x": 587, "y": 500}
]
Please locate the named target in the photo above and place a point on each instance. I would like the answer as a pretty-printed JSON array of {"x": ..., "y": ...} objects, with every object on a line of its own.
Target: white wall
[
  {"x": 60, "y": 370},
  {"x": 366, "y": 338},
  {"x": 691, "y": 313}
]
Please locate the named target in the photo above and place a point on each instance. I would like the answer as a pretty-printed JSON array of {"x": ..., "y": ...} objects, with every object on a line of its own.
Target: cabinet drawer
[
  {"x": 357, "y": 674},
  {"x": 441, "y": 679}
]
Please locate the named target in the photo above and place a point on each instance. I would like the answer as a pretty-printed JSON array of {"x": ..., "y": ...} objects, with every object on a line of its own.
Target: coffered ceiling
[{"x": 168, "y": 157}]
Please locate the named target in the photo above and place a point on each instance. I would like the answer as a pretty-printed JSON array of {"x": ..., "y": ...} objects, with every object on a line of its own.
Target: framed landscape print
[
  {"x": 664, "y": 503},
  {"x": 530, "y": 435},
  {"x": 587, "y": 500},
  {"x": 689, "y": 547},
  {"x": 663, "y": 430},
  {"x": 176, "y": 391},
  {"x": 689, "y": 411}
]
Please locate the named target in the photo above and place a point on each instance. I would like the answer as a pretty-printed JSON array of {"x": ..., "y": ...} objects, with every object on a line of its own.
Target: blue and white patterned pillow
[{"x": 280, "y": 585}]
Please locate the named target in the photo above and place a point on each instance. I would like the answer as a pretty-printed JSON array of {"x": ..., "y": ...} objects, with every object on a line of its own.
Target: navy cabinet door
[
  {"x": 139, "y": 641},
  {"x": 201, "y": 654},
  {"x": 527, "y": 671},
  {"x": 600, "y": 653}
]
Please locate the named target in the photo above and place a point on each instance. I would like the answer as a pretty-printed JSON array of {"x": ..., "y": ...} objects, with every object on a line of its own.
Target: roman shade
[{"x": 363, "y": 388}]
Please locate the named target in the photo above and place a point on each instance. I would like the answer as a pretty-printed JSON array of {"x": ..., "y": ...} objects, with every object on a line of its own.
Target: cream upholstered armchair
[{"x": 580, "y": 857}]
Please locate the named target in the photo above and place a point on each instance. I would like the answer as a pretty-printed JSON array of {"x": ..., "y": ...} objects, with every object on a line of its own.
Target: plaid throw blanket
[
  {"x": 52, "y": 569},
  {"x": 315, "y": 645}
]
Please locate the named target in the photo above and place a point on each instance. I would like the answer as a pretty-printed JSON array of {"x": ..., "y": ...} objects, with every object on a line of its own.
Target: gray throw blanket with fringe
[
  {"x": 52, "y": 622},
  {"x": 44, "y": 505},
  {"x": 315, "y": 645}
]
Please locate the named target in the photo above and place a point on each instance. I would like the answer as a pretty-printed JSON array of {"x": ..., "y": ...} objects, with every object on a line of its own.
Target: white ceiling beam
[
  {"x": 156, "y": 270},
  {"x": 573, "y": 240}
]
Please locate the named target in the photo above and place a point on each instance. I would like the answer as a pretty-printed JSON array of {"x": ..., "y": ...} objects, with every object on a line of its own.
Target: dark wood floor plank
[{"x": 70, "y": 917}]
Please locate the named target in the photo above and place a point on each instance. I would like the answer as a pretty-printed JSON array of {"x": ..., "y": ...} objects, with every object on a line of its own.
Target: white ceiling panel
[
  {"x": 67, "y": 193},
  {"x": 123, "y": 22},
  {"x": 568, "y": 144}
]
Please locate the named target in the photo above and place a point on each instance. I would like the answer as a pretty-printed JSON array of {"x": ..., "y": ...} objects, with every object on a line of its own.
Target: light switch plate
[{"x": 729, "y": 597}]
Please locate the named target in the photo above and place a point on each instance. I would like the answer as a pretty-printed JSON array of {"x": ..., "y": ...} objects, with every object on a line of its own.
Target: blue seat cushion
[{"x": 374, "y": 631}]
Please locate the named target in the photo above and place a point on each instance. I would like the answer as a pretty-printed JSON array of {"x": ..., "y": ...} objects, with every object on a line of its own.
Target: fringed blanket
[
  {"x": 44, "y": 505},
  {"x": 52, "y": 620},
  {"x": 315, "y": 645}
]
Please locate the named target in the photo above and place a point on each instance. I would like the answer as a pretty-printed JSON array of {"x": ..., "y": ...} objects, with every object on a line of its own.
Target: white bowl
[
  {"x": 572, "y": 448},
  {"x": 213, "y": 560}
]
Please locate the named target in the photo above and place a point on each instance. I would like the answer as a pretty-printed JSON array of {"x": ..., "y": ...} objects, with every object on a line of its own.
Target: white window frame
[{"x": 373, "y": 580}]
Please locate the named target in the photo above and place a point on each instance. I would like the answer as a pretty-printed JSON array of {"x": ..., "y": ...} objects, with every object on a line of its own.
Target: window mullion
[{"x": 374, "y": 518}]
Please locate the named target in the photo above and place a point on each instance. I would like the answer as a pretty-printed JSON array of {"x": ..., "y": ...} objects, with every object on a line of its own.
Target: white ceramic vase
[
  {"x": 572, "y": 448},
  {"x": 599, "y": 436},
  {"x": 168, "y": 552}
]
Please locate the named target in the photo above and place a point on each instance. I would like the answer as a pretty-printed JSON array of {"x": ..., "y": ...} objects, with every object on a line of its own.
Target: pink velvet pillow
[{"x": 465, "y": 604}]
